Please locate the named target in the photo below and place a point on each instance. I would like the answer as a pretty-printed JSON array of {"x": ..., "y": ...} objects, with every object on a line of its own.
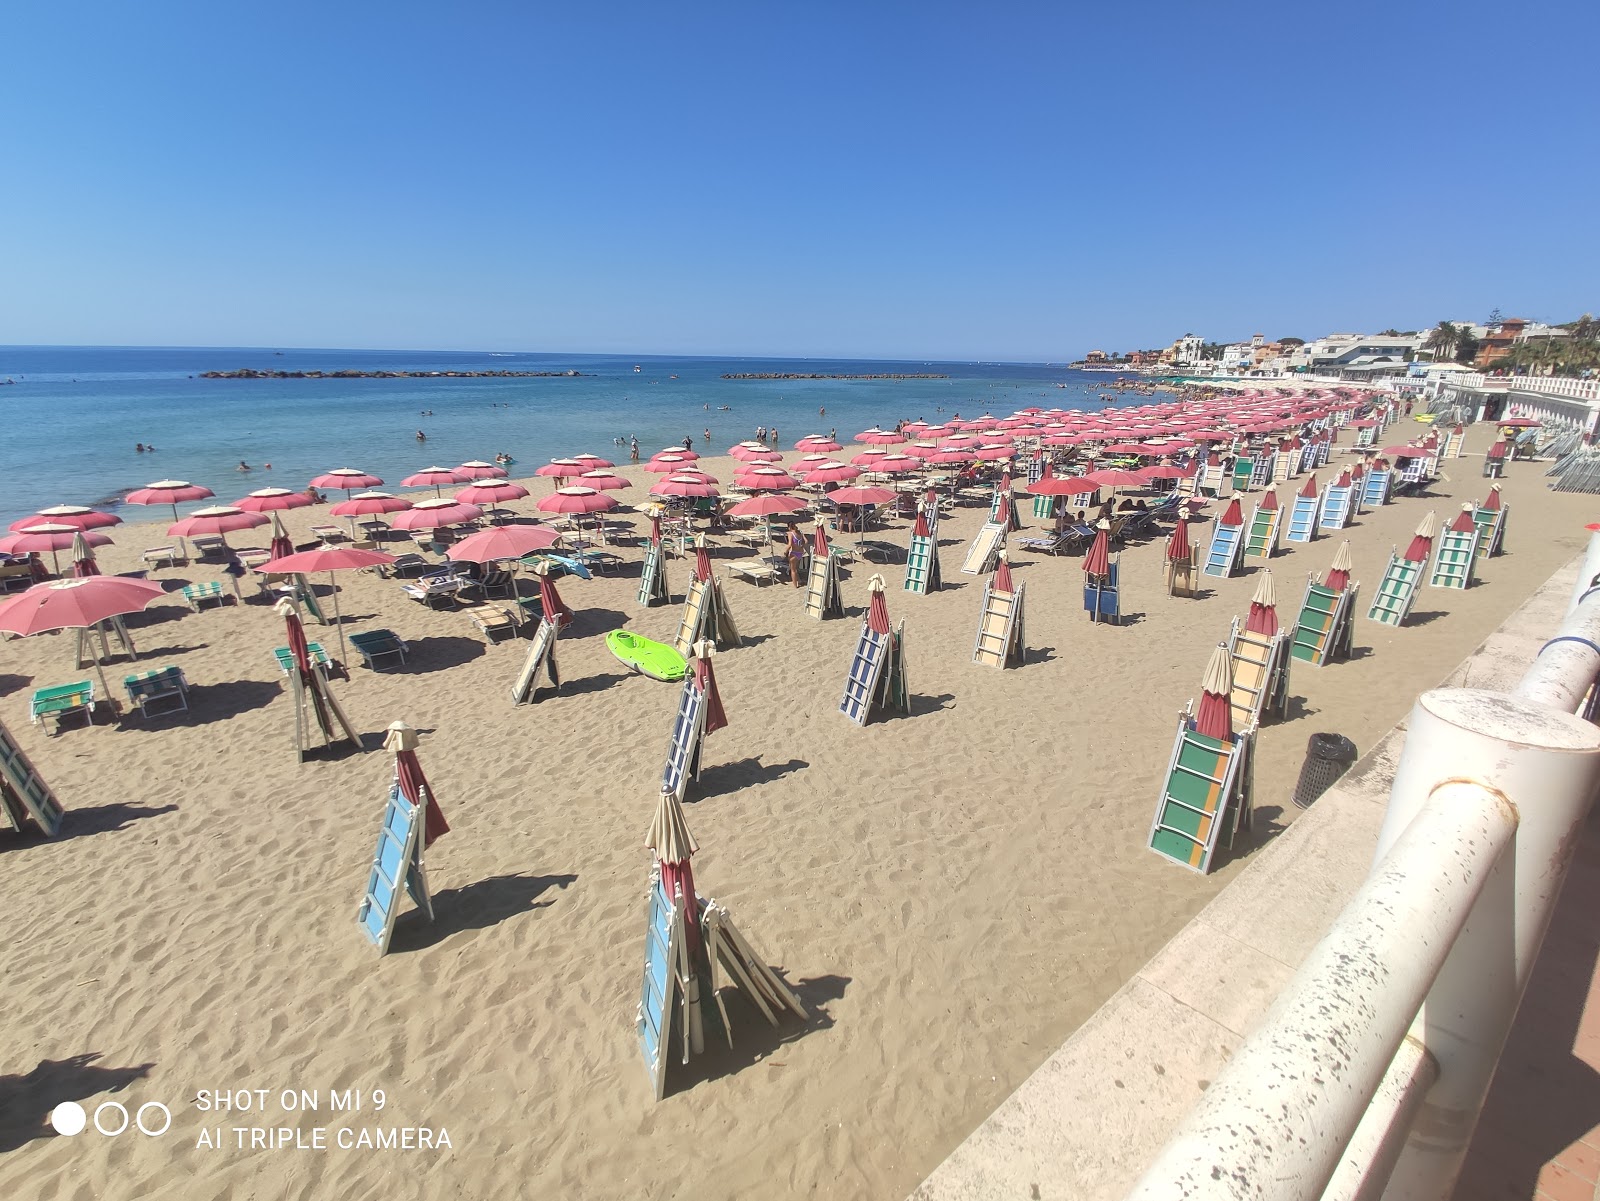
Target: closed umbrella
[
  {"x": 1492, "y": 501},
  {"x": 1422, "y": 542},
  {"x": 1214, "y": 718},
  {"x": 669, "y": 837},
  {"x": 555, "y": 609},
  {"x": 402, "y": 740},
  {"x": 1002, "y": 574},
  {"x": 329, "y": 559},
  {"x": 281, "y": 545},
  {"x": 1339, "y": 574},
  {"x": 1178, "y": 550},
  {"x": 83, "y": 560},
  {"x": 1263, "y": 615},
  {"x": 820, "y": 545},
  {"x": 1097, "y": 560},
  {"x": 706, "y": 680}
]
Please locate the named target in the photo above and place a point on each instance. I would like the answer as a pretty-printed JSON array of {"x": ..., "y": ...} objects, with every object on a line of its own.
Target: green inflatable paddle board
[{"x": 654, "y": 659}]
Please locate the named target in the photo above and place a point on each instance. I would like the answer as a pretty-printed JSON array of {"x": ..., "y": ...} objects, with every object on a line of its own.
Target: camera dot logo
[{"x": 68, "y": 1118}]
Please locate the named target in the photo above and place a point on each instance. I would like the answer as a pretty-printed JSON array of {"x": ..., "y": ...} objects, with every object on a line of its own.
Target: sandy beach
[{"x": 951, "y": 893}]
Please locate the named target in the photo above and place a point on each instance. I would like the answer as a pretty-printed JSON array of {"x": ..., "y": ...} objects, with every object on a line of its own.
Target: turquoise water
[{"x": 75, "y": 413}]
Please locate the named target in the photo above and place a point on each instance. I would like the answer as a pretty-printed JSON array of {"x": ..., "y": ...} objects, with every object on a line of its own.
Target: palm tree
[{"x": 1442, "y": 341}]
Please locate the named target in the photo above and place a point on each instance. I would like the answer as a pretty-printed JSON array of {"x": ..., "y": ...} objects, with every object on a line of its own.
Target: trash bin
[{"x": 1328, "y": 756}]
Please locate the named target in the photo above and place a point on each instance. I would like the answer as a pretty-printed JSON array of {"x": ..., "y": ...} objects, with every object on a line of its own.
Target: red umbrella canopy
[
  {"x": 817, "y": 443},
  {"x": 367, "y": 503},
  {"x": 1263, "y": 616},
  {"x": 218, "y": 519},
  {"x": 706, "y": 681},
  {"x": 1269, "y": 500},
  {"x": 594, "y": 462},
  {"x": 1339, "y": 574},
  {"x": 167, "y": 492},
  {"x": 431, "y": 514},
  {"x": 877, "y": 606},
  {"x": 1078, "y": 485},
  {"x": 992, "y": 451},
  {"x": 555, "y": 609},
  {"x": 1055, "y": 485},
  {"x": 326, "y": 558},
  {"x": 898, "y": 464},
  {"x": 266, "y": 500},
  {"x": 676, "y": 452},
  {"x": 1002, "y": 575},
  {"x": 504, "y": 542},
  {"x": 1309, "y": 488},
  {"x": 477, "y": 469},
  {"x": 820, "y": 540},
  {"x": 702, "y": 561},
  {"x": 1492, "y": 501},
  {"x": 1463, "y": 524},
  {"x": 561, "y": 469},
  {"x": 831, "y": 473},
  {"x": 79, "y": 517},
  {"x": 1097, "y": 560},
  {"x": 672, "y": 843},
  {"x": 280, "y": 547},
  {"x": 766, "y": 505},
  {"x": 862, "y": 496},
  {"x": 577, "y": 500},
  {"x": 347, "y": 479},
  {"x": 74, "y": 603},
  {"x": 684, "y": 485},
  {"x": 1178, "y": 542},
  {"x": 83, "y": 560},
  {"x": 1162, "y": 471},
  {"x": 48, "y": 537},
  {"x": 754, "y": 452},
  {"x": 1232, "y": 515},
  {"x": 402, "y": 740},
  {"x": 920, "y": 450},
  {"x": 490, "y": 493},
  {"x": 1214, "y": 718},
  {"x": 919, "y": 528},
  {"x": 1116, "y": 477},
  {"x": 602, "y": 480},
  {"x": 665, "y": 464},
  {"x": 432, "y": 477},
  {"x": 1422, "y": 543},
  {"x": 767, "y": 479},
  {"x": 877, "y": 437}
]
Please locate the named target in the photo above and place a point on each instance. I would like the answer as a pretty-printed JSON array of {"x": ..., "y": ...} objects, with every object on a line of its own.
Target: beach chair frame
[
  {"x": 1396, "y": 591},
  {"x": 999, "y": 641},
  {"x": 984, "y": 549},
  {"x": 1260, "y": 676},
  {"x": 396, "y": 865},
  {"x": 862, "y": 679},
  {"x": 822, "y": 588},
  {"x": 1102, "y": 595},
  {"x": 23, "y": 793},
  {"x": 1375, "y": 489},
  {"x": 1455, "y": 555},
  {"x": 1303, "y": 519},
  {"x": 164, "y": 685},
  {"x": 1225, "y": 554},
  {"x": 314, "y": 705},
  {"x": 1262, "y": 539},
  {"x": 922, "y": 562},
  {"x": 1182, "y": 573},
  {"x": 688, "y": 737},
  {"x": 1262, "y": 469},
  {"x": 691, "y": 623},
  {"x": 1197, "y": 806},
  {"x": 1323, "y": 630},
  {"x": 1244, "y": 469},
  {"x": 1491, "y": 525},
  {"x": 540, "y": 661},
  {"x": 665, "y": 973},
  {"x": 653, "y": 576},
  {"x": 1334, "y": 513}
]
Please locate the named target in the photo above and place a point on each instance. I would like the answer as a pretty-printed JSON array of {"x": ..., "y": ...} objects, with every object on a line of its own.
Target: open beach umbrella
[
  {"x": 754, "y": 452},
  {"x": 477, "y": 469},
  {"x": 897, "y": 464},
  {"x": 1422, "y": 542},
  {"x": 593, "y": 462},
  {"x": 402, "y": 740},
  {"x": 220, "y": 520},
  {"x": 435, "y": 513},
  {"x": 993, "y": 451},
  {"x": 1214, "y": 718},
  {"x": 83, "y": 560},
  {"x": 684, "y": 485},
  {"x": 602, "y": 480},
  {"x": 1263, "y": 616},
  {"x": 767, "y": 479},
  {"x": 281, "y": 544},
  {"x": 347, "y": 480},
  {"x": 77, "y": 604},
  {"x": 561, "y": 469},
  {"x": 433, "y": 477},
  {"x": 78, "y": 516},
  {"x": 576, "y": 502},
  {"x": 831, "y": 473},
  {"x": 368, "y": 504},
  {"x": 504, "y": 542},
  {"x": 38, "y": 538},
  {"x": 168, "y": 492},
  {"x": 665, "y": 464},
  {"x": 1339, "y": 574},
  {"x": 489, "y": 492},
  {"x": 267, "y": 500},
  {"x": 1116, "y": 477},
  {"x": 877, "y": 437},
  {"x": 1097, "y": 559},
  {"x": 863, "y": 498},
  {"x": 817, "y": 443},
  {"x": 765, "y": 506},
  {"x": 329, "y": 559}
]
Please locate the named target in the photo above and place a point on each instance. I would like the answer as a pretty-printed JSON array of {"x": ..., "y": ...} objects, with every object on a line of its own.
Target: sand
[{"x": 951, "y": 893}]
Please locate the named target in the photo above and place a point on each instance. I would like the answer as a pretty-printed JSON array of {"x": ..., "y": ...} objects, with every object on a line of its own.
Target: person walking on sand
[{"x": 796, "y": 554}]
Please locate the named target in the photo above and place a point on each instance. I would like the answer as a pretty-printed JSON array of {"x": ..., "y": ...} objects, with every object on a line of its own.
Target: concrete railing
[{"x": 1366, "y": 1077}]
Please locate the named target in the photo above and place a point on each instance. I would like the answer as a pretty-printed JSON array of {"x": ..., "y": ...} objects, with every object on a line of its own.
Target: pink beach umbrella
[
  {"x": 1232, "y": 515},
  {"x": 993, "y": 451},
  {"x": 593, "y": 462},
  {"x": 79, "y": 517},
  {"x": 684, "y": 485},
  {"x": 281, "y": 546},
  {"x": 1116, "y": 477},
  {"x": 816, "y": 443},
  {"x": 1214, "y": 718},
  {"x": 767, "y": 479},
  {"x": 753, "y": 452},
  {"x": 477, "y": 469},
  {"x": 490, "y": 492},
  {"x": 1097, "y": 559},
  {"x": 329, "y": 559},
  {"x": 765, "y": 506},
  {"x": 1178, "y": 543},
  {"x": 831, "y": 473},
  {"x": 665, "y": 464},
  {"x": 168, "y": 492},
  {"x": 877, "y": 606},
  {"x": 347, "y": 480},
  {"x": 576, "y": 501},
  {"x": 268, "y": 500},
  {"x": 602, "y": 480},
  {"x": 77, "y": 604},
  {"x": 898, "y": 464},
  {"x": 562, "y": 469},
  {"x": 877, "y": 437},
  {"x": 433, "y": 477},
  {"x": 1263, "y": 615},
  {"x": 369, "y": 504},
  {"x": 220, "y": 520},
  {"x": 436, "y": 513},
  {"x": 504, "y": 542},
  {"x": 550, "y": 600},
  {"x": 1002, "y": 574},
  {"x": 37, "y": 539}
]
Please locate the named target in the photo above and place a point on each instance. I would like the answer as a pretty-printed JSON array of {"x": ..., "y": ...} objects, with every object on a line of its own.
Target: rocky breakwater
[{"x": 253, "y": 373}]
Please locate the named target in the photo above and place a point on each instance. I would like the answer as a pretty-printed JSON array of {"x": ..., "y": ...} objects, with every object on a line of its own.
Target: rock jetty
[{"x": 253, "y": 373}]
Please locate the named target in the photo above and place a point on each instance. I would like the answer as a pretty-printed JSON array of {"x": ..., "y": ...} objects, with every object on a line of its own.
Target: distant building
[
  {"x": 1497, "y": 342},
  {"x": 1185, "y": 352},
  {"x": 1095, "y": 356},
  {"x": 1238, "y": 356},
  {"x": 1345, "y": 350}
]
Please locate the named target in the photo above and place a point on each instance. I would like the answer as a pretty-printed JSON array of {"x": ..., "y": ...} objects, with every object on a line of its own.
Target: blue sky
[{"x": 1010, "y": 181}]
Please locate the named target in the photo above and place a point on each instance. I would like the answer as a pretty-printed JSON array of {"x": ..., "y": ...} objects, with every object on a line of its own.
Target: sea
[{"x": 73, "y": 416}]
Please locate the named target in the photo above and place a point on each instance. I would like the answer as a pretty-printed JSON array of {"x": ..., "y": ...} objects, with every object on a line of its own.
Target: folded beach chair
[
  {"x": 1205, "y": 798},
  {"x": 1456, "y": 554},
  {"x": 199, "y": 594},
  {"x": 163, "y": 687},
  {"x": 24, "y": 797},
  {"x": 1226, "y": 552},
  {"x": 1324, "y": 630},
  {"x": 984, "y": 549},
  {"x": 1375, "y": 490},
  {"x": 50, "y": 705},
  {"x": 494, "y": 623},
  {"x": 319, "y": 657},
  {"x": 1392, "y": 602},
  {"x": 1260, "y": 675},
  {"x": 1335, "y": 514},
  {"x": 374, "y": 646},
  {"x": 1102, "y": 596}
]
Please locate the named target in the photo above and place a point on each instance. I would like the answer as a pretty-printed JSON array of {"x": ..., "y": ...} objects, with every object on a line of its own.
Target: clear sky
[{"x": 997, "y": 181}]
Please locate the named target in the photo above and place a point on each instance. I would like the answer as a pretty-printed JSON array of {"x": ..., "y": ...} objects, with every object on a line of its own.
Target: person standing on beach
[
  {"x": 796, "y": 554},
  {"x": 633, "y": 449},
  {"x": 774, "y": 436}
]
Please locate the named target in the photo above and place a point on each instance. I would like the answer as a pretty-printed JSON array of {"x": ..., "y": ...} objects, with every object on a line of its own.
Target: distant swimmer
[
  {"x": 421, "y": 437},
  {"x": 243, "y": 466},
  {"x": 822, "y": 411},
  {"x": 139, "y": 446}
]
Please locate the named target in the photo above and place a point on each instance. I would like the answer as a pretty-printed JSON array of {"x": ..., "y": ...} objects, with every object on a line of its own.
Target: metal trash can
[{"x": 1328, "y": 756}]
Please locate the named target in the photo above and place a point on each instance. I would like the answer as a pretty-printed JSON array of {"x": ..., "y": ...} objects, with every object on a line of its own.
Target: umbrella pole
[
  {"x": 101, "y": 672},
  {"x": 344, "y": 654}
]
